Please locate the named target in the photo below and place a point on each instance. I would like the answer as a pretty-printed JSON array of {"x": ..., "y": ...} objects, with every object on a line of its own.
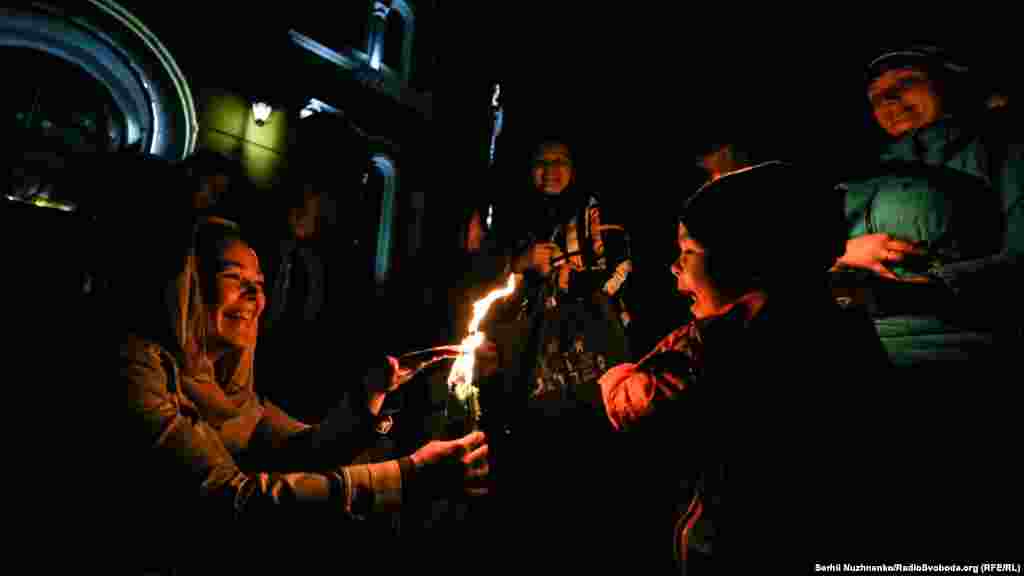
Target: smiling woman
[
  {"x": 233, "y": 316},
  {"x": 202, "y": 442}
]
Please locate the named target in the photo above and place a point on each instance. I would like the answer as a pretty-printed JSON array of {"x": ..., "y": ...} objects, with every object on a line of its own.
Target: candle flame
[{"x": 460, "y": 379}]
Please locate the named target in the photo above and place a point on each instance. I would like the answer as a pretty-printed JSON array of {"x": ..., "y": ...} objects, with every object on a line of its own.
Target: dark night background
[
  {"x": 637, "y": 89},
  {"x": 640, "y": 93}
]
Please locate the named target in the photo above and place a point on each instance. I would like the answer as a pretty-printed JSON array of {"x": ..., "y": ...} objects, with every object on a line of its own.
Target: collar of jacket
[{"x": 929, "y": 144}]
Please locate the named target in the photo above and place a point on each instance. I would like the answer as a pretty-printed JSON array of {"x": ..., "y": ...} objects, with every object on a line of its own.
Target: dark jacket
[
  {"x": 724, "y": 433},
  {"x": 313, "y": 288}
]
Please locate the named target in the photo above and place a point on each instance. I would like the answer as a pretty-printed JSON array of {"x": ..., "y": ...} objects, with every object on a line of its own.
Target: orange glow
[{"x": 460, "y": 379}]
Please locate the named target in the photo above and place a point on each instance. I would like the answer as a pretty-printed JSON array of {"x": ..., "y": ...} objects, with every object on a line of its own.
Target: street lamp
[{"x": 261, "y": 112}]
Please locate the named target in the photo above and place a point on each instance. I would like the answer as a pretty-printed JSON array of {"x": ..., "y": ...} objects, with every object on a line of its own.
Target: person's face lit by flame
[
  {"x": 552, "y": 168},
  {"x": 692, "y": 279},
  {"x": 904, "y": 99},
  {"x": 238, "y": 300}
]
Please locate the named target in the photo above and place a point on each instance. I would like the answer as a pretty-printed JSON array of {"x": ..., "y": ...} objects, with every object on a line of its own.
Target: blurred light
[
  {"x": 499, "y": 120},
  {"x": 490, "y": 216},
  {"x": 315, "y": 106},
  {"x": 156, "y": 126},
  {"x": 261, "y": 112},
  {"x": 43, "y": 202},
  {"x": 321, "y": 106},
  {"x": 497, "y": 92},
  {"x": 381, "y": 9}
]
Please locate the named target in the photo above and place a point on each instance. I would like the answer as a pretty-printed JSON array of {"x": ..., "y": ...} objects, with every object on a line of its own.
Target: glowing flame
[{"x": 460, "y": 379}]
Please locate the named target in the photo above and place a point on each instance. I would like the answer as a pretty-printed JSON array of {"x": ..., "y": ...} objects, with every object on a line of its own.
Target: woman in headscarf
[
  {"x": 203, "y": 449},
  {"x": 765, "y": 359}
]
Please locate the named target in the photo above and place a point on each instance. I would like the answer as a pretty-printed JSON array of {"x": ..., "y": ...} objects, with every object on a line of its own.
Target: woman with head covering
[
  {"x": 936, "y": 228},
  {"x": 203, "y": 448},
  {"x": 766, "y": 338}
]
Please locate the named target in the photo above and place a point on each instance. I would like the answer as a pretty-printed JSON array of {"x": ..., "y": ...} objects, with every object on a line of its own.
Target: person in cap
[
  {"x": 936, "y": 231},
  {"x": 936, "y": 225},
  {"x": 766, "y": 337}
]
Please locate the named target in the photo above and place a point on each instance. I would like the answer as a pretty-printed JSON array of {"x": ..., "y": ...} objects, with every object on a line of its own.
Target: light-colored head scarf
[{"x": 221, "y": 390}]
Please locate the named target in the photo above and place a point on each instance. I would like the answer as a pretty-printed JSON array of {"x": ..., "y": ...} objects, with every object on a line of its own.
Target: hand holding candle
[{"x": 445, "y": 466}]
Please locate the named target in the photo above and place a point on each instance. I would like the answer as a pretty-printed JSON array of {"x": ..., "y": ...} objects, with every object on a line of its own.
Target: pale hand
[
  {"x": 384, "y": 379},
  {"x": 876, "y": 251},
  {"x": 468, "y": 453},
  {"x": 403, "y": 368}
]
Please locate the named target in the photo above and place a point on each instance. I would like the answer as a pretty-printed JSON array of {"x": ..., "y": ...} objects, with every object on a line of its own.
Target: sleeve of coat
[
  {"x": 289, "y": 444},
  {"x": 994, "y": 278},
  {"x": 632, "y": 392},
  {"x": 182, "y": 437},
  {"x": 1011, "y": 184}
]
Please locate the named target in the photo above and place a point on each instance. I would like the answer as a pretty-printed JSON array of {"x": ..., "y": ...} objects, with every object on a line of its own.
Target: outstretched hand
[
  {"x": 396, "y": 371},
  {"x": 405, "y": 367},
  {"x": 401, "y": 369}
]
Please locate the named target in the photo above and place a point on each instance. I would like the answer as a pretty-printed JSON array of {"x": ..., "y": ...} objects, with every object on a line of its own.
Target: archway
[{"x": 151, "y": 105}]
